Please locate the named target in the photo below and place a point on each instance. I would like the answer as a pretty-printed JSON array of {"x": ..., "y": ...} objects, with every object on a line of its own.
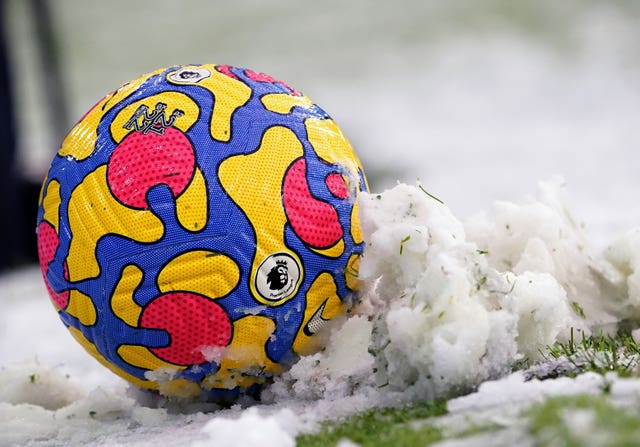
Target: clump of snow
[
  {"x": 466, "y": 313},
  {"x": 542, "y": 236},
  {"x": 34, "y": 384},
  {"x": 213, "y": 353},
  {"x": 514, "y": 390},
  {"x": 337, "y": 372},
  {"x": 431, "y": 329},
  {"x": 38, "y": 403},
  {"x": 251, "y": 429},
  {"x": 501, "y": 403},
  {"x": 448, "y": 306},
  {"x": 623, "y": 256}
]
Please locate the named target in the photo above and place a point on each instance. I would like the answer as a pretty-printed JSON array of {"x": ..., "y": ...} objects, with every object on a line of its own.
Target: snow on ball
[{"x": 199, "y": 226}]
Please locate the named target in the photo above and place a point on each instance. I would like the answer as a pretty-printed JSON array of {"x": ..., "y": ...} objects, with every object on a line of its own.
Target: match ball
[{"x": 199, "y": 226}]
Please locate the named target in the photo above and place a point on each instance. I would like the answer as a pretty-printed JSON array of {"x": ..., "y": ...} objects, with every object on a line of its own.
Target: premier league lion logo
[
  {"x": 278, "y": 277},
  {"x": 198, "y": 227}
]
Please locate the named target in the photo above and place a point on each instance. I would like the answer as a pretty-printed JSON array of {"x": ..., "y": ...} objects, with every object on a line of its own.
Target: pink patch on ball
[
  {"x": 47, "y": 245},
  {"x": 142, "y": 161},
  {"x": 193, "y": 322},
  {"x": 226, "y": 70},
  {"x": 314, "y": 221},
  {"x": 337, "y": 186}
]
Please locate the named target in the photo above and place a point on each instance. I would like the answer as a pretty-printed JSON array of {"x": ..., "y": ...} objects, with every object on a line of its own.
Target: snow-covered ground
[{"x": 480, "y": 104}]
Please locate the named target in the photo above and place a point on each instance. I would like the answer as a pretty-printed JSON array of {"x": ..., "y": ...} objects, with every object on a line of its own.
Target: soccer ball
[{"x": 199, "y": 226}]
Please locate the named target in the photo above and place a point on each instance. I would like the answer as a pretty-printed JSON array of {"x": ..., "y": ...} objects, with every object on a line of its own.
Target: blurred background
[{"x": 478, "y": 99}]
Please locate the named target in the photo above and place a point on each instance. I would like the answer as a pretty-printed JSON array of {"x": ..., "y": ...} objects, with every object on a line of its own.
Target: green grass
[
  {"x": 583, "y": 420},
  {"x": 600, "y": 354},
  {"x": 381, "y": 427}
]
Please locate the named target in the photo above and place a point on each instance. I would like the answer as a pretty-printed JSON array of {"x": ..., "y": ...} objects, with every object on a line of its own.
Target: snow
[
  {"x": 513, "y": 389},
  {"x": 251, "y": 429},
  {"x": 501, "y": 402}
]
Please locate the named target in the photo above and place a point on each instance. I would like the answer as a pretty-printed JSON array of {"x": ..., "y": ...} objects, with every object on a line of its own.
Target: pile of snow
[
  {"x": 448, "y": 306},
  {"x": 445, "y": 307}
]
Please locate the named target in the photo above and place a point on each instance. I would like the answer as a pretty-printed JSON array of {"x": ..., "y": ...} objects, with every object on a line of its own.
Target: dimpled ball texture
[{"x": 199, "y": 226}]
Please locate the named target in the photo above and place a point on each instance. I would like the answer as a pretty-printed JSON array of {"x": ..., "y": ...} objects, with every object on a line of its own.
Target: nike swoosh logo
[{"x": 316, "y": 322}]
